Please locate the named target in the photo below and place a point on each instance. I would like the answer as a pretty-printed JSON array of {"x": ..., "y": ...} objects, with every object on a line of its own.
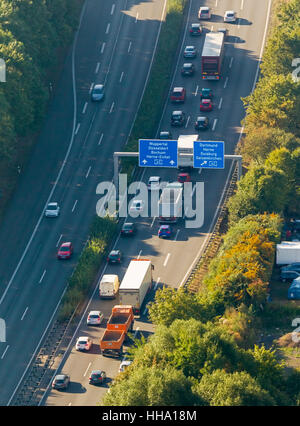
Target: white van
[{"x": 109, "y": 286}]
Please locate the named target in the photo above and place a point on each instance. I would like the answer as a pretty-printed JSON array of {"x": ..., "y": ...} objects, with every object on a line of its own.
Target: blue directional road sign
[
  {"x": 209, "y": 154},
  {"x": 158, "y": 153}
]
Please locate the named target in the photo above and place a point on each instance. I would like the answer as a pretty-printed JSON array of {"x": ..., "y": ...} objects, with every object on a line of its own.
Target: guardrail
[{"x": 213, "y": 243}]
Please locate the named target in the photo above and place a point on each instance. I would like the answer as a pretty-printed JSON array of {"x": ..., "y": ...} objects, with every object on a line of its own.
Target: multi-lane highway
[
  {"x": 174, "y": 258},
  {"x": 114, "y": 44}
]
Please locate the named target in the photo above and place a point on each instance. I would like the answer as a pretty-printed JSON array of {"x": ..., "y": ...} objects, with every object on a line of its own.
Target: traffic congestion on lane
[{"x": 169, "y": 254}]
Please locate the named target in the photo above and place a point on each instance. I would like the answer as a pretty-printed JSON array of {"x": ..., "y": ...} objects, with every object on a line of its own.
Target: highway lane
[
  {"x": 173, "y": 258},
  {"x": 39, "y": 282}
]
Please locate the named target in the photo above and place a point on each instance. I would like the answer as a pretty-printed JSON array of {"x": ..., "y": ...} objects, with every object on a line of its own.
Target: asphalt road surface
[
  {"x": 114, "y": 44},
  {"x": 174, "y": 258}
]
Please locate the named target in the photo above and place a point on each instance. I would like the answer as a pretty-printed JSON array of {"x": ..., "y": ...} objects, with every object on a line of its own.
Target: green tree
[
  {"x": 261, "y": 140},
  {"x": 232, "y": 389},
  {"x": 170, "y": 304},
  {"x": 151, "y": 386},
  {"x": 258, "y": 193}
]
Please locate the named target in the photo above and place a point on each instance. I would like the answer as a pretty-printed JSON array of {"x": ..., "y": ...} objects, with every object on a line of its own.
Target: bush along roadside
[{"x": 102, "y": 232}]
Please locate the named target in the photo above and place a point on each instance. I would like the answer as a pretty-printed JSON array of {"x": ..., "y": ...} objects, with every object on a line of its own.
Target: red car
[
  {"x": 65, "y": 251},
  {"x": 178, "y": 94},
  {"x": 205, "y": 105},
  {"x": 183, "y": 177}
]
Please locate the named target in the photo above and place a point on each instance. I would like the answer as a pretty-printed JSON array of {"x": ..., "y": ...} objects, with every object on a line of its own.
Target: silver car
[
  {"x": 190, "y": 52},
  {"x": 97, "y": 93},
  {"x": 52, "y": 210},
  {"x": 94, "y": 318}
]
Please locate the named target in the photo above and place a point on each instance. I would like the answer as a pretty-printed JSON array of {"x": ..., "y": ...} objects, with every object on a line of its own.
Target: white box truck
[
  {"x": 137, "y": 282},
  {"x": 109, "y": 286},
  {"x": 186, "y": 150},
  {"x": 287, "y": 252}
]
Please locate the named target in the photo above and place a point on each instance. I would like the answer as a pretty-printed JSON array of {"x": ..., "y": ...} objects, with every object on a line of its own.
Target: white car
[
  {"x": 204, "y": 13},
  {"x": 94, "y": 318},
  {"x": 154, "y": 183},
  {"x": 230, "y": 16},
  {"x": 52, "y": 210},
  {"x": 137, "y": 206},
  {"x": 124, "y": 364},
  {"x": 84, "y": 343}
]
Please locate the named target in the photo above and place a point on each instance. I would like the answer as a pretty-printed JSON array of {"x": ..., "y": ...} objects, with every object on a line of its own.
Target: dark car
[
  {"x": 292, "y": 267},
  {"x": 165, "y": 135},
  {"x": 65, "y": 251},
  {"x": 195, "y": 30},
  {"x": 206, "y": 93},
  {"x": 97, "y": 377},
  {"x": 61, "y": 381},
  {"x": 201, "y": 123},
  {"x": 187, "y": 69},
  {"x": 128, "y": 229},
  {"x": 178, "y": 94},
  {"x": 178, "y": 118},
  {"x": 289, "y": 275},
  {"x": 224, "y": 31},
  {"x": 97, "y": 93},
  {"x": 115, "y": 256}
]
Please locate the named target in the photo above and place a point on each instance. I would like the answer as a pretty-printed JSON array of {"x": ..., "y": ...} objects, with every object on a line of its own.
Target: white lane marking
[
  {"x": 139, "y": 255},
  {"x": 214, "y": 125},
  {"x": 156, "y": 284},
  {"x": 97, "y": 67},
  {"x": 136, "y": 19},
  {"x": 24, "y": 314},
  {"x": 107, "y": 28},
  {"x": 239, "y": 23},
  {"x": 129, "y": 47},
  {"x": 167, "y": 258},
  {"x": 5, "y": 352},
  {"x": 87, "y": 369},
  {"x": 187, "y": 121},
  {"x": 196, "y": 92},
  {"x": 220, "y": 103},
  {"x": 100, "y": 140},
  {"x": 135, "y": 333},
  {"x": 91, "y": 88},
  {"x": 42, "y": 277},
  {"x": 112, "y": 9},
  {"x": 112, "y": 107},
  {"x": 152, "y": 223},
  {"x": 226, "y": 81},
  {"x": 84, "y": 108},
  {"x": 212, "y": 28},
  {"x": 88, "y": 172},
  {"x": 178, "y": 230},
  {"x": 77, "y": 128},
  {"x": 121, "y": 78},
  {"x": 59, "y": 240},
  {"x": 103, "y": 47},
  {"x": 74, "y": 205},
  {"x": 230, "y": 64}
]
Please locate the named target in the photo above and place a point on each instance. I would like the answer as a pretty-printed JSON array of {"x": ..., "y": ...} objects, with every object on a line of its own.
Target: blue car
[{"x": 164, "y": 231}]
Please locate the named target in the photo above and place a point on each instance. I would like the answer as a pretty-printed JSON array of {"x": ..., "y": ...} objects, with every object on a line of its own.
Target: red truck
[
  {"x": 118, "y": 325},
  {"x": 212, "y": 56}
]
